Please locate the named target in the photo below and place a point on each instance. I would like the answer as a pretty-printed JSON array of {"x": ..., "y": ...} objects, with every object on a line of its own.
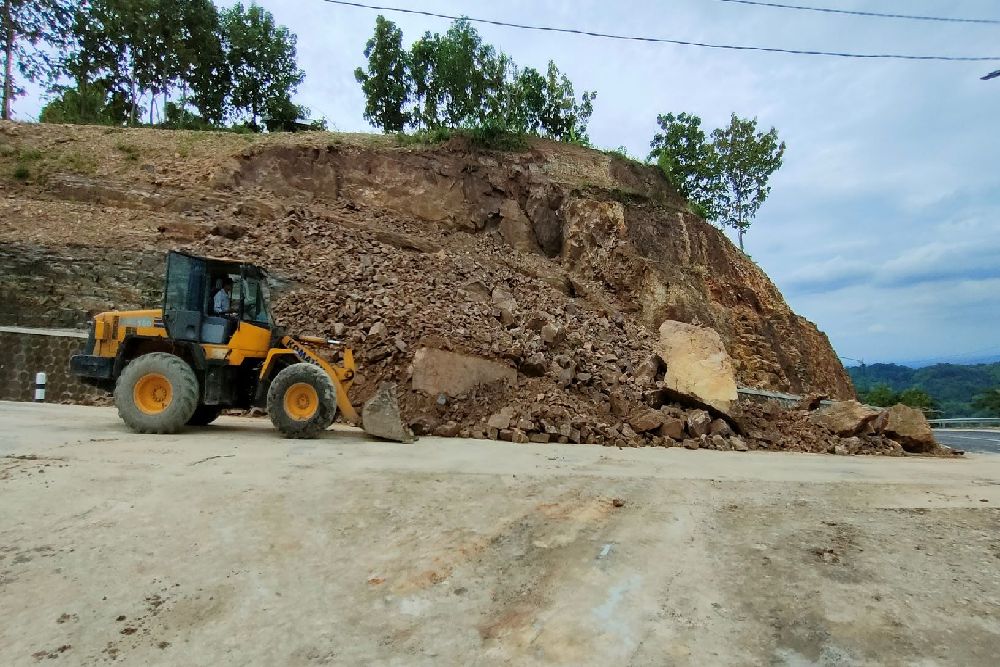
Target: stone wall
[
  {"x": 24, "y": 352},
  {"x": 65, "y": 286}
]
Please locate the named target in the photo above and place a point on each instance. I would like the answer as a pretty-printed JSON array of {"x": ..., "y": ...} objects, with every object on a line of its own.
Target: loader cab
[{"x": 189, "y": 297}]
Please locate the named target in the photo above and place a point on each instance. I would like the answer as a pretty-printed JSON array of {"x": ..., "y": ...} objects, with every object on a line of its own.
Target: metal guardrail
[
  {"x": 965, "y": 422},
  {"x": 762, "y": 393},
  {"x": 787, "y": 400},
  {"x": 792, "y": 399}
]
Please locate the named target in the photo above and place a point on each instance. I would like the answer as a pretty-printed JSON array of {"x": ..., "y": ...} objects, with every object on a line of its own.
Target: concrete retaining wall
[{"x": 25, "y": 352}]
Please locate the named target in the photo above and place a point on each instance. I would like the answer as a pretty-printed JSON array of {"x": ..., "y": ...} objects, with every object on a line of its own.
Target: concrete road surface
[
  {"x": 230, "y": 546},
  {"x": 971, "y": 441}
]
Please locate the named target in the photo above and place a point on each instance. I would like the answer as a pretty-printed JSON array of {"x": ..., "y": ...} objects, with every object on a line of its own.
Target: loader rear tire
[
  {"x": 156, "y": 393},
  {"x": 302, "y": 401},
  {"x": 205, "y": 415}
]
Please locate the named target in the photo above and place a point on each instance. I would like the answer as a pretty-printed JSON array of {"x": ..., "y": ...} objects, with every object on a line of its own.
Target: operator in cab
[{"x": 222, "y": 301}]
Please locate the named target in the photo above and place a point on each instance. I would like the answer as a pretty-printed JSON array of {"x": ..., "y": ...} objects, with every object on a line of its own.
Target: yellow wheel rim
[
  {"x": 301, "y": 401},
  {"x": 153, "y": 393}
]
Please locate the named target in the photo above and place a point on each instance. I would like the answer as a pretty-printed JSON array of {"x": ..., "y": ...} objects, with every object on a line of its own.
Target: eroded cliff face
[
  {"x": 364, "y": 225},
  {"x": 612, "y": 232}
]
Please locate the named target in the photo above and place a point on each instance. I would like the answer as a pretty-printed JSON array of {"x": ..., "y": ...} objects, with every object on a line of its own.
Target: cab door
[{"x": 184, "y": 296}]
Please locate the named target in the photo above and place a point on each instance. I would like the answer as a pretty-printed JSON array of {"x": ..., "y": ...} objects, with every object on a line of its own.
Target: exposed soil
[{"x": 559, "y": 262}]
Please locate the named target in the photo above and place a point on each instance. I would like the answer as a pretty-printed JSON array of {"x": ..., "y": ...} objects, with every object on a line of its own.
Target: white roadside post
[{"x": 40, "y": 387}]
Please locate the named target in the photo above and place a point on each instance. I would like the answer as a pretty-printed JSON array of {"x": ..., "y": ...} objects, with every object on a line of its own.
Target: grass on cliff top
[
  {"x": 31, "y": 153},
  {"x": 486, "y": 138}
]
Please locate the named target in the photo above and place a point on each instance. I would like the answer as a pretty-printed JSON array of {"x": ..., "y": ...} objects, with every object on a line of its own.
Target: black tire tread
[
  {"x": 185, "y": 393},
  {"x": 325, "y": 414}
]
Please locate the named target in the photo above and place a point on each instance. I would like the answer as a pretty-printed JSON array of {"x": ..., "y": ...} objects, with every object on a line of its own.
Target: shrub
[
  {"x": 435, "y": 135},
  {"x": 131, "y": 152},
  {"x": 496, "y": 138}
]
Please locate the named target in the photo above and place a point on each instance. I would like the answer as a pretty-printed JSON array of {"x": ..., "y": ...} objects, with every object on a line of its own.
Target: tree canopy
[
  {"x": 746, "y": 160},
  {"x": 28, "y": 26},
  {"x": 882, "y": 395},
  {"x": 686, "y": 159},
  {"x": 385, "y": 83},
  {"x": 178, "y": 63},
  {"x": 953, "y": 387},
  {"x": 262, "y": 61},
  {"x": 988, "y": 402},
  {"x": 725, "y": 178},
  {"x": 456, "y": 80}
]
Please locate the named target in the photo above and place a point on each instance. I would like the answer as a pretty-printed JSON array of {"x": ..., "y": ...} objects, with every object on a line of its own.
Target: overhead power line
[
  {"x": 829, "y": 10},
  {"x": 680, "y": 42}
]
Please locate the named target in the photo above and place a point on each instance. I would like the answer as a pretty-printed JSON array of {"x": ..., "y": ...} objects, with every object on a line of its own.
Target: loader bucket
[{"x": 380, "y": 416}]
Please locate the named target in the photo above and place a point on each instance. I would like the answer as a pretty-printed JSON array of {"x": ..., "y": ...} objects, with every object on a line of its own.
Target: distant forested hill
[{"x": 953, "y": 387}]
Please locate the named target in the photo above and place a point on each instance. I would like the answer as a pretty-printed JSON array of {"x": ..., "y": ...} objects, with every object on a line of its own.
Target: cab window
[{"x": 254, "y": 294}]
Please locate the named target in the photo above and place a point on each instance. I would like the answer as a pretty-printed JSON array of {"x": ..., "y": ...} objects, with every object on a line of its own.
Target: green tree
[
  {"x": 526, "y": 101},
  {"x": 262, "y": 60},
  {"x": 87, "y": 105},
  {"x": 203, "y": 66},
  {"x": 688, "y": 161},
  {"x": 881, "y": 395},
  {"x": 32, "y": 30},
  {"x": 456, "y": 80},
  {"x": 988, "y": 402},
  {"x": 459, "y": 71},
  {"x": 495, "y": 109},
  {"x": 563, "y": 118},
  {"x": 425, "y": 83},
  {"x": 917, "y": 398},
  {"x": 134, "y": 48},
  {"x": 283, "y": 115},
  {"x": 746, "y": 160},
  {"x": 118, "y": 49},
  {"x": 386, "y": 83}
]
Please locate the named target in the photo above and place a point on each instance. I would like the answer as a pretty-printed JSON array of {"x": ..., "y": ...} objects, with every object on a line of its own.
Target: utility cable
[
  {"x": 829, "y": 10},
  {"x": 730, "y": 47}
]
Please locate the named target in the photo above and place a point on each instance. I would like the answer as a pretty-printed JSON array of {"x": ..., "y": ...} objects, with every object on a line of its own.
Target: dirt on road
[{"x": 228, "y": 545}]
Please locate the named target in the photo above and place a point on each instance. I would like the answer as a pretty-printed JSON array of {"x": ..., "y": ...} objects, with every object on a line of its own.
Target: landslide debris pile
[
  {"x": 514, "y": 295},
  {"x": 389, "y": 296},
  {"x": 483, "y": 344}
]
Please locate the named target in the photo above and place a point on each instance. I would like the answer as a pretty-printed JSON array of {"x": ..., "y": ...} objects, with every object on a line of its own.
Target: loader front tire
[
  {"x": 302, "y": 401},
  {"x": 156, "y": 393}
]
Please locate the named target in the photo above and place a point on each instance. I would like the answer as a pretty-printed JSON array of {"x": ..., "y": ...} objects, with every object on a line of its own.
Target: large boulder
[
  {"x": 845, "y": 418},
  {"x": 646, "y": 419},
  {"x": 908, "y": 427},
  {"x": 698, "y": 422},
  {"x": 672, "y": 427},
  {"x": 380, "y": 416},
  {"x": 441, "y": 372},
  {"x": 697, "y": 364},
  {"x": 515, "y": 227}
]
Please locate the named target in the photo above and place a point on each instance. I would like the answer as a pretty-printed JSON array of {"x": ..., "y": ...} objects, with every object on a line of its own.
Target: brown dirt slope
[{"x": 394, "y": 247}]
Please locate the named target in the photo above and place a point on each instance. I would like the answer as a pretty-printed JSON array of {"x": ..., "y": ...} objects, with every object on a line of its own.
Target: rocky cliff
[{"x": 399, "y": 247}]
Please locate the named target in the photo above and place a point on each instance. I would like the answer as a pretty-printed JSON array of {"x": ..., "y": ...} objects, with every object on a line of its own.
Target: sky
[{"x": 883, "y": 225}]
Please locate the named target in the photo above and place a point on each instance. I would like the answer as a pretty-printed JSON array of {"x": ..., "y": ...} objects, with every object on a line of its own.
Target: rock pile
[
  {"x": 551, "y": 293},
  {"x": 445, "y": 324},
  {"x": 487, "y": 342}
]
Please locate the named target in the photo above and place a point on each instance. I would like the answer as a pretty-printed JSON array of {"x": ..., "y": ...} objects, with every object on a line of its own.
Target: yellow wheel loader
[{"x": 213, "y": 346}]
